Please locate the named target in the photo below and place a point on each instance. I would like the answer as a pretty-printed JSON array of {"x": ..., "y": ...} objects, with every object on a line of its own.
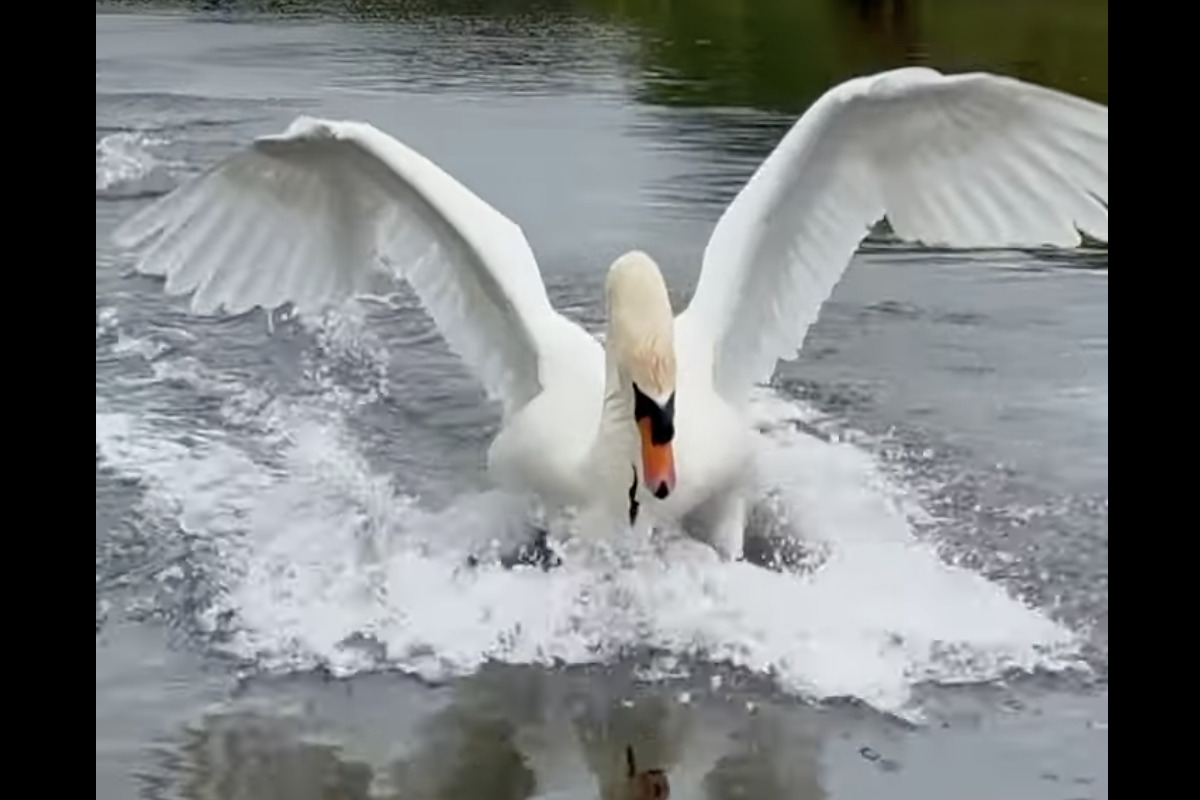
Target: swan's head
[{"x": 641, "y": 338}]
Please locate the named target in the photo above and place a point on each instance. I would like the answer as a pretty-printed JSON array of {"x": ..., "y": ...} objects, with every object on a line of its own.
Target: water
[{"x": 282, "y": 518}]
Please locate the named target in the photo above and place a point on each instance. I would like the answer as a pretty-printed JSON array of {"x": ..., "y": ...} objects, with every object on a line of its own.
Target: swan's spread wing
[
  {"x": 327, "y": 210},
  {"x": 966, "y": 161}
]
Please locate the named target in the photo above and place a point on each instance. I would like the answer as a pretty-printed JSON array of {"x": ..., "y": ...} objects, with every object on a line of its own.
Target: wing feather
[
  {"x": 973, "y": 160},
  {"x": 328, "y": 210}
]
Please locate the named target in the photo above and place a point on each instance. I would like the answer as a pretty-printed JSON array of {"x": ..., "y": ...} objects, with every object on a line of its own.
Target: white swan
[{"x": 653, "y": 418}]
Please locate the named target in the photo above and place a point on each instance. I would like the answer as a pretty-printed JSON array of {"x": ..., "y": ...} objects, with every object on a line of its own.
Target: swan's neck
[
  {"x": 641, "y": 330},
  {"x": 614, "y": 455}
]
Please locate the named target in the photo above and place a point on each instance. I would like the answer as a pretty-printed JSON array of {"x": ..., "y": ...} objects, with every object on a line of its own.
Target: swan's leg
[
  {"x": 536, "y": 553},
  {"x": 521, "y": 539},
  {"x": 721, "y": 522}
]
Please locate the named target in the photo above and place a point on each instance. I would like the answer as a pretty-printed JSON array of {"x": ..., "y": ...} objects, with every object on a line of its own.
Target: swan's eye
[{"x": 661, "y": 418}]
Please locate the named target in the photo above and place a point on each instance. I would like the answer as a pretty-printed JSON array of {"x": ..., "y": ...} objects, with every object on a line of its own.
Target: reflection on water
[
  {"x": 645, "y": 784},
  {"x": 775, "y": 54},
  {"x": 509, "y": 733},
  {"x": 781, "y": 54},
  {"x": 252, "y": 755},
  {"x": 889, "y": 27}
]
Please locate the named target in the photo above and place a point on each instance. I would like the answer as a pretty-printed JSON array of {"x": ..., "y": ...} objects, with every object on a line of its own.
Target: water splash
[
  {"x": 318, "y": 551},
  {"x": 126, "y": 167}
]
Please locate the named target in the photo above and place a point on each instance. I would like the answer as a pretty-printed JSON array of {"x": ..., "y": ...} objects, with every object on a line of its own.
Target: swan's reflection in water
[
  {"x": 254, "y": 755},
  {"x": 505, "y": 734}
]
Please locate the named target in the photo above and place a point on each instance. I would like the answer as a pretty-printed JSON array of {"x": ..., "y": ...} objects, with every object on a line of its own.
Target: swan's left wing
[{"x": 972, "y": 160}]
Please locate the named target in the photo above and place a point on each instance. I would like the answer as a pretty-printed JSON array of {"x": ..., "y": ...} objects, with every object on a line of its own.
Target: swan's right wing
[{"x": 327, "y": 210}]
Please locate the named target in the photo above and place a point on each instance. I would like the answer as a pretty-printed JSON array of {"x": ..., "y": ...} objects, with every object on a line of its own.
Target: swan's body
[
  {"x": 328, "y": 209},
  {"x": 577, "y": 435}
]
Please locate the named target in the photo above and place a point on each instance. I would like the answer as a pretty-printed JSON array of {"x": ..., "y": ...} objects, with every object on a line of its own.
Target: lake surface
[{"x": 284, "y": 511}]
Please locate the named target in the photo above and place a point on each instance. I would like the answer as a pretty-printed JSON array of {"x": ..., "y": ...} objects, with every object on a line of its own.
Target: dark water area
[{"x": 277, "y": 612}]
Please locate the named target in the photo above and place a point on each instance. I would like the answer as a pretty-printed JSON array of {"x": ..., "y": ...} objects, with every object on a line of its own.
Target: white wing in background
[{"x": 972, "y": 160}]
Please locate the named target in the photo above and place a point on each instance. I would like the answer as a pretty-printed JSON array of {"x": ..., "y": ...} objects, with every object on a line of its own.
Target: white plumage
[{"x": 328, "y": 209}]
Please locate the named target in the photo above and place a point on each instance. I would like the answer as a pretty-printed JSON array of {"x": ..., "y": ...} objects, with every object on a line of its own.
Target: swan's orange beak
[{"x": 658, "y": 462}]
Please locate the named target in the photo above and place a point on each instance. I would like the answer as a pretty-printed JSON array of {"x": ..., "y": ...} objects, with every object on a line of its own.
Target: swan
[{"x": 650, "y": 423}]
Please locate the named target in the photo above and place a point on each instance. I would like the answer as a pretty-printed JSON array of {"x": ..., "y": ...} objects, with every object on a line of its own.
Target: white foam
[
  {"x": 317, "y": 547},
  {"x": 126, "y": 165},
  {"x": 107, "y": 320}
]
